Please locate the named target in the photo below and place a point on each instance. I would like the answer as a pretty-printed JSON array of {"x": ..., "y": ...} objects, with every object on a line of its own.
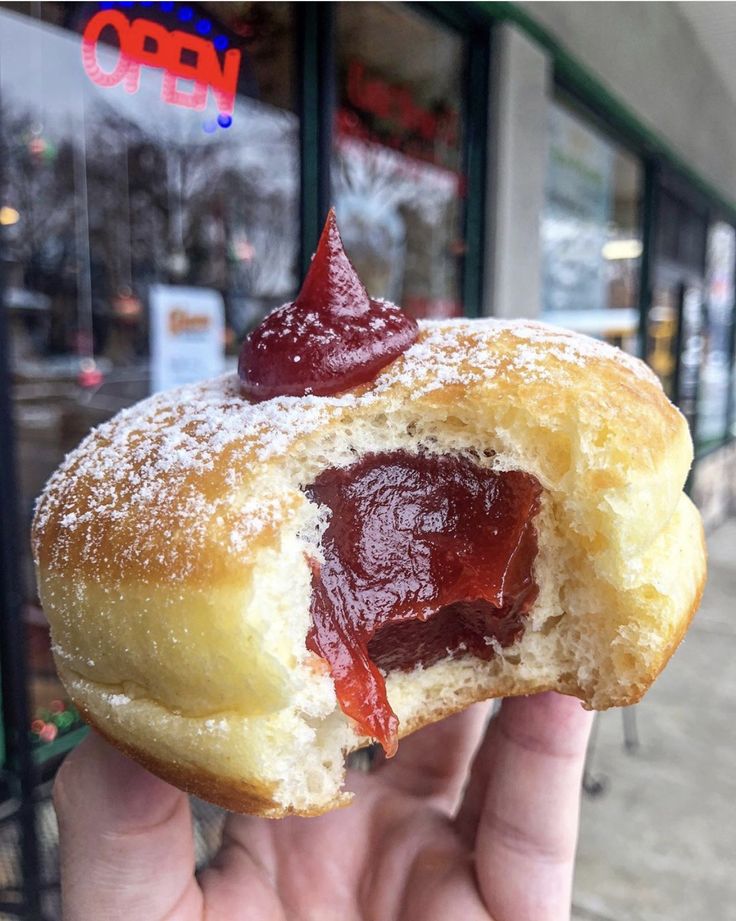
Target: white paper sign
[{"x": 187, "y": 335}]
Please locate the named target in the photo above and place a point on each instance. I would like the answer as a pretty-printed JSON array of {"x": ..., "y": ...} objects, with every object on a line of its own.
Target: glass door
[
  {"x": 676, "y": 319},
  {"x": 713, "y": 396},
  {"x": 591, "y": 231}
]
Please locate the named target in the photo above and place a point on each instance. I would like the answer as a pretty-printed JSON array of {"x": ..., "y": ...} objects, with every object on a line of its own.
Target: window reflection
[
  {"x": 590, "y": 232},
  {"x": 718, "y": 330},
  {"x": 675, "y": 322},
  {"x": 110, "y": 196},
  {"x": 397, "y": 171}
]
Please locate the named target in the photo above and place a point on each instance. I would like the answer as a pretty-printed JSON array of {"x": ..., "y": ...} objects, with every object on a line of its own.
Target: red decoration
[{"x": 48, "y": 733}]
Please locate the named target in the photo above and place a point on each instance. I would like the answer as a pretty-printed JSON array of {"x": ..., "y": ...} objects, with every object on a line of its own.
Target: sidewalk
[{"x": 659, "y": 844}]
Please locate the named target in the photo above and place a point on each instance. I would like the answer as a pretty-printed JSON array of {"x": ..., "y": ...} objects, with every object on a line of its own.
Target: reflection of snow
[
  {"x": 715, "y": 375},
  {"x": 713, "y": 399},
  {"x": 619, "y": 322},
  {"x": 398, "y": 217},
  {"x": 573, "y": 276},
  {"x": 393, "y": 179}
]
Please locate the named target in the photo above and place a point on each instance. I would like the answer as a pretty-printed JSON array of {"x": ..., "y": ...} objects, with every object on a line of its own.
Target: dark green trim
[
  {"x": 731, "y": 396},
  {"x": 711, "y": 447},
  {"x": 315, "y": 70},
  {"x": 476, "y": 158},
  {"x": 472, "y": 25},
  {"x": 573, "y": 75},
  {"x": 460, "y": 16},
  {"x": 59, "y": 746}
]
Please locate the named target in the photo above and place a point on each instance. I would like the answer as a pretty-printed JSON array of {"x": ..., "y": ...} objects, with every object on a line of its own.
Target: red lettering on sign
[
  {"x": 113, "y": 20},
  {"x": 180, "y": 55},
  {"x": 396, "y": 105}
]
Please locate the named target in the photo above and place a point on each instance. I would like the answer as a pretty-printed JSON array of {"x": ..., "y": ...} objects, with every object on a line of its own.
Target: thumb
[{"x": 125, "y": 840}]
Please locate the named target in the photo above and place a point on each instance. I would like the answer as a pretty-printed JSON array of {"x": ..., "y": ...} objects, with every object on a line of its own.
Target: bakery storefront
[{"x": 164, "y": 172}]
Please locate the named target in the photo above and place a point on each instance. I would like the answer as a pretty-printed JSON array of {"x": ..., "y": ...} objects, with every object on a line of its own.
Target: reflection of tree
[
  {"x": 40, "y": 251},
  {"x": 39, "y": 183},
  {"x": 405, "y": 211},
  {"x": 185, "y": 204},
  {"x": 163, "y": 205}
]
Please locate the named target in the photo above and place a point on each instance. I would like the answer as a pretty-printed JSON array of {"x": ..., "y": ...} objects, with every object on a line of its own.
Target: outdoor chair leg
[
  {"x": 631, "y": 731},
  {"x": 593, "y": 784}
]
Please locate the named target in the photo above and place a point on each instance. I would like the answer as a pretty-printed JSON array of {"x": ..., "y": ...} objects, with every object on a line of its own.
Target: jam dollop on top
[
  {"x": 425, "y": 556},
  {"x": 331, "y": 338}
]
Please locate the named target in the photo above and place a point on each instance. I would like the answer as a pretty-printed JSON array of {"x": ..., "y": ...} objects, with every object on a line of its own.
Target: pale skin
[{"x": 469, "y": 821}]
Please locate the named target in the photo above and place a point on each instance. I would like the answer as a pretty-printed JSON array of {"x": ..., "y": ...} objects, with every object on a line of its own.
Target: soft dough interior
[{"x": 265, "y": 706}]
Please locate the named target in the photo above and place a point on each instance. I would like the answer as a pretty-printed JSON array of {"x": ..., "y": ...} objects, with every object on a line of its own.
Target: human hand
[{"x": 446, "y": 830}]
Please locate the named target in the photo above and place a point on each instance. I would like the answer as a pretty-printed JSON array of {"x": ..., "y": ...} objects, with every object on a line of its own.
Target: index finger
[{"x": 526, "y": 834}]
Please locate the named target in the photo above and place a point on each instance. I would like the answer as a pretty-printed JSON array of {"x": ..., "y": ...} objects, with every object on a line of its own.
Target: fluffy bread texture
[{"x": 171, "y": 550}]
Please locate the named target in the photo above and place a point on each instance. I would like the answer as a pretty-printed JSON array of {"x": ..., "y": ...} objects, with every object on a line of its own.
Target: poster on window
[
  {"x": 576, "y": 214},
  {"x": 187, "y": 335}
]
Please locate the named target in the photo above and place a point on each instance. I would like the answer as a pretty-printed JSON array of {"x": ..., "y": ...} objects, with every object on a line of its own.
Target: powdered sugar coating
[{"x": 179, "y": 459}]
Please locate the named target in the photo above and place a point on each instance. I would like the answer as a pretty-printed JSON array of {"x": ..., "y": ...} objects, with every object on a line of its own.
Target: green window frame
[{"x": 316, "y": 70}]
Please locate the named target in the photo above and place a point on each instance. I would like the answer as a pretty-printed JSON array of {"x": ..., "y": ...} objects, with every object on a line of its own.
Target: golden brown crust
[
  {"x": 253, "y": 798},
  {"x": 250, "y": 798},
  {"x": 701, "y": 556}
]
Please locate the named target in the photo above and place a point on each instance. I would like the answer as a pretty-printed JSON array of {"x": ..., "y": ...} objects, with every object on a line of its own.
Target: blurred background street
[{"x": 658, "y": 843}]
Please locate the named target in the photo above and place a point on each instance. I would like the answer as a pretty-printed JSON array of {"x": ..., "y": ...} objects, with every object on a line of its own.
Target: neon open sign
[{"x": 181, "y": 57}]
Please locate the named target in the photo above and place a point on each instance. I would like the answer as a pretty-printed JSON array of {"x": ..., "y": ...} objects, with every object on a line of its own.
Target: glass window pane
[
  {"x": 662, "y": 331},
  {"x": 590, "y": 232},
  {"x": 714, "y": 375},
  {"x": 677, "y": 315},
  {"x": 397, "y": 170},
  {"x": 150, "y": 215}
]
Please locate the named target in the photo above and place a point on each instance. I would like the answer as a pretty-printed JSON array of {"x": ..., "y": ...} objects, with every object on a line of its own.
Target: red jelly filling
[
  {"x": 331, "y": 338},
  {"x": 425, "y": 556}
]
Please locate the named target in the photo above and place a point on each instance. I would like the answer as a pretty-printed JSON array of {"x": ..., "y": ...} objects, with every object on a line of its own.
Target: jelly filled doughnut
[{"x": 375, "y": 524}]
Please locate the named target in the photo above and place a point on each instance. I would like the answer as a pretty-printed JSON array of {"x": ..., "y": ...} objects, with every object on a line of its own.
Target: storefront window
[
  {"x": 676, "y": 319},
  {"x": 715, "y": 371},
  {"x": 149, "y": 215},
  {"x": 397, "y": 176},
  {"x": 590, "y": 232}
]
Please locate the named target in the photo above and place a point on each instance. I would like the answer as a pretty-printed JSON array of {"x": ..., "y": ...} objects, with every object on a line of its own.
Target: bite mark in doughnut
[{"x": 425, "y": 556}]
